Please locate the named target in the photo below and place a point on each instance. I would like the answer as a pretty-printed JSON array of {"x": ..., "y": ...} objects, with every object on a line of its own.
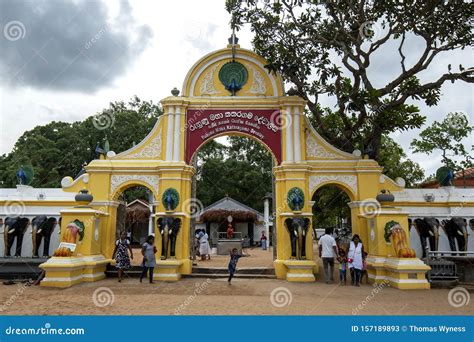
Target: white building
[{"x": 26, "y": 201}]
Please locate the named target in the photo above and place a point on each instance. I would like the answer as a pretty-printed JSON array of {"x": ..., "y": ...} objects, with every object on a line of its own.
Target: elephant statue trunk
[
  {"x": 15, "y": 228},
  {"x": 427, "y": 229},
  {"x": 43, "y": 227},
  {"x": 297, "y": 229},
  {"x": 456, "y": 231},
  {"x": 169, "y": 228}
]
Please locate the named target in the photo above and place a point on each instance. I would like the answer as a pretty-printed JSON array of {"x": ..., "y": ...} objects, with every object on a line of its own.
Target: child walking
[
  {"x": 149, "y": 261},
  {"x": 342, "y": 266},
  {"x": 234, "y": 258},
  {"x": 122, "y": 247}
]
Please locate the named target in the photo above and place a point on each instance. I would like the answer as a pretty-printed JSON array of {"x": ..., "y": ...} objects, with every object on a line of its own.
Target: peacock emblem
[
  {"x": 170, "y": 199},
  {"x": 233, "y": 75},
  {"x": 295, "y": 199}
]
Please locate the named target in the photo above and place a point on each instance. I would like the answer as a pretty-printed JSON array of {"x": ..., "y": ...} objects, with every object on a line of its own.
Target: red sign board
[{"x": 262, "y": 124}]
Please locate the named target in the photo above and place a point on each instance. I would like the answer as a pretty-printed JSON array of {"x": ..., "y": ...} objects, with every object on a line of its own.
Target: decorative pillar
[
  {"x": 177, "y": 134},
  {"x": 150, "y": 219},
  {"x": 266, "y": 216},
  {"x": 79, "y": 257},
  {"x": 297, "y": 142},
  {"x": 289, "y": 135},
  {"x": 390, "y": 259},
  {"x": 169, "y": 134}
]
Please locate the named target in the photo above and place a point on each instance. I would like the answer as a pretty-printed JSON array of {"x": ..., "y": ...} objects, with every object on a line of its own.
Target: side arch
[
  {"x": 346, "y": 183},
  {"x": 120, "y": 183}
]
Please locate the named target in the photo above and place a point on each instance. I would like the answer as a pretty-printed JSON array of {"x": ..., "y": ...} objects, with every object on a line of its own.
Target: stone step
[
  {"x": 20, "y": 268},
  {"x": 240, "y": 270},
  {"x": 224, "y": 276}
]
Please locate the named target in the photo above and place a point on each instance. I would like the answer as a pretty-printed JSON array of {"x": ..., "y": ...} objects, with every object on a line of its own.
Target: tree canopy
[
  {"x": 326, "y": 48},
  {"x": 447, "y": 137},
  {"x": 59, "y": 149}
]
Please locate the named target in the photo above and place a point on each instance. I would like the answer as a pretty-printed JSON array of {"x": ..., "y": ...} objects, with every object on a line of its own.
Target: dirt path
[{"x": 215, "y": 297}]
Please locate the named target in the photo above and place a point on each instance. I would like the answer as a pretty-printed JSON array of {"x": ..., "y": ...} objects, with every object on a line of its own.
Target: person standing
[
  {"x": 204, "y": 247},
  {"x": 122, "y": 247},
  {"x": 234, "y": 258},
  {"x": 263, "y": 241},
  {"x": 356, "y": 258},
  {"x": 230, "y": 231},
  {"x": 327, "y": 252},
  {"x": 342, "y": 267},
  {"x": 149, "y": 260}
]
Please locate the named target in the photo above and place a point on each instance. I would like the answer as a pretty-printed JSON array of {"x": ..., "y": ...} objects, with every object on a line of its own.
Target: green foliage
[
  {"x": 331, "y": 205},
  {"x": 396, "y": 164},
  {"x": 241, "y": 170},
  {"x": 325, "y": 48},
  {"x": 135, "y": 192},
  {"x": 59, "y": 149},
  {"x": 447, "y": 137}
]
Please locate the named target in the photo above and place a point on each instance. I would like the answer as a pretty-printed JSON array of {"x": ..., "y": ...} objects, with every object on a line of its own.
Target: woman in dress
[
  {"x": 356, "y": 258},
  {"x": 122, "y": 247},
  {"x": 149, "y": 261},
  {"x": 204, "y": 247}
]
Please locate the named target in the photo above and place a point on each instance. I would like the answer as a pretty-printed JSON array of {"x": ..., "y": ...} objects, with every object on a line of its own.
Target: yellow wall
[{"x": 149, "y": 163}]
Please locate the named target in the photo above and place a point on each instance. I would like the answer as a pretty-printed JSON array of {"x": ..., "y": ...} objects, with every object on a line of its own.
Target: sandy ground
[
  {"x": 193, "y": 296},
  {"x": 200, "y": 296},
  {"x": 255, "y": 257}
]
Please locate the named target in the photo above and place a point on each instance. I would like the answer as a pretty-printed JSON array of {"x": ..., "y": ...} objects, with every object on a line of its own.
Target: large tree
[
  {"x": 325, "y": 48},
  {"x": 396, "y": 163}
]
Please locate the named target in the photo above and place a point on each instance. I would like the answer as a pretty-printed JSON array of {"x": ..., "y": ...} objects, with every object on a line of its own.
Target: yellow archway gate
[{"x": 230, "y": 92}]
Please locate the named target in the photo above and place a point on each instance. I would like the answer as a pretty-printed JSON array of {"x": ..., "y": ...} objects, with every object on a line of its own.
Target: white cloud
[{"x": 183, "y": 31}]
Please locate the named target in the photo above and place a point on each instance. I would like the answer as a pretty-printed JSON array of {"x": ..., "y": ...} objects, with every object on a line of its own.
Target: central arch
[
  {"x": 250, "y": 216},
  {"x": 230, "y": 92}
]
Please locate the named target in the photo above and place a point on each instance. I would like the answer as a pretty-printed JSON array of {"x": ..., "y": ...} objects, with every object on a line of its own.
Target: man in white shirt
[{"x": 327, "y": 252}]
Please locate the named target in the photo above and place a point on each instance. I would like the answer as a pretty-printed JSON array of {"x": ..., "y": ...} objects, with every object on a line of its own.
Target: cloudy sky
[{"x": 67, "y": 59}]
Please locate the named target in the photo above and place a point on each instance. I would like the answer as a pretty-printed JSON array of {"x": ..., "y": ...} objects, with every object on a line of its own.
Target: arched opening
[
  {"x": 331, "y": 210},
  {"x": 135, "y": 213},
  {"x": 234, "y": 184}
]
